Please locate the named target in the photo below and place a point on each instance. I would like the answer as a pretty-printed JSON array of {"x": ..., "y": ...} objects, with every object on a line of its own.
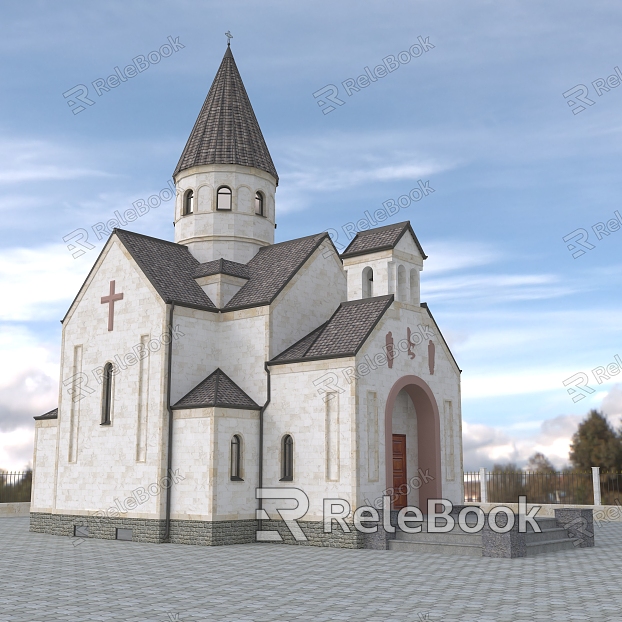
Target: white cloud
[
  {"x": 16, "y": 449},
  {"x": 514, "y": 382},
  {"x": 38, "y": 283},
  {"x": 612, "y": 404},
  {"x": 36, "y": 160},
  {"x": 486, "y": 445},
  {"x": 495, "y": 287},
  {"x": 340, "y": 161},
  {"x": 450, "y": 255},
  {"x": 28, "y": 377}
]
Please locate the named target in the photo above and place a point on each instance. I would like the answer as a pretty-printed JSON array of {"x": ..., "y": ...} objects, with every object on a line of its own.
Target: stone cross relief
[{"x": 110, "y": 299}]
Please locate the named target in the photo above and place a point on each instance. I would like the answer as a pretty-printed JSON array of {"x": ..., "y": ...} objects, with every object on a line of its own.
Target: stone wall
[
  {"x": 206, "y": 533},
  {"x": 14, "y": 509},
  {"x": 147, "y": 530}
]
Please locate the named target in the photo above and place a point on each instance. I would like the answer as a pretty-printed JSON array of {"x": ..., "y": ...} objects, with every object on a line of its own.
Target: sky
[{"x": 484, "y": 111}]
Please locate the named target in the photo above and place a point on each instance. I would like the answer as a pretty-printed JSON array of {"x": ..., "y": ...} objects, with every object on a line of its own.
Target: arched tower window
[
  {"x": 368, "y": 280},
  {"x": 259, "y": 204},
  {"x": 402, "y": 287},
  {"x": 236, "y": 458},
  {"x": 106, "y": 394},
  {"x": 188, "y": 207},
  {"x": 287, "y": 459},
  {"x": 223, "y": 198}
]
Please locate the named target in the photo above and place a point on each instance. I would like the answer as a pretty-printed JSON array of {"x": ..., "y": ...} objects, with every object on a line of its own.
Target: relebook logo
[{"x": 410, "y": 519}]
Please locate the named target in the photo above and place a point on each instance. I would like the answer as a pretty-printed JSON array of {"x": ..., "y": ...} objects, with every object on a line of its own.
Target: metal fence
[
  {"x": 556, "y": 487},
  {"x": 472, "y": 489},
  {"x": 15, "y": 487},
  {"x": 610, "y": 487}
]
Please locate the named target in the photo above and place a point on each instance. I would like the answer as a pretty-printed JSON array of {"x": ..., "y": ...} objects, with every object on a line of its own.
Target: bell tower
[{"x": 225, "y": 179}]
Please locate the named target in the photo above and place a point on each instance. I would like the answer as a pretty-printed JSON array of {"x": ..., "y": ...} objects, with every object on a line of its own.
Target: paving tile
[{"x": 47, "y": 579}]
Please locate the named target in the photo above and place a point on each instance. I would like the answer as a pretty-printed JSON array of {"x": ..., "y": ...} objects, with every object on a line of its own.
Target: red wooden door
[{"x": 400, "y": 480}]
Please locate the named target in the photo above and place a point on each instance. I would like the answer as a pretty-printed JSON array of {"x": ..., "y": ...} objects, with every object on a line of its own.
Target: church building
[{"x": 198, "y": 377}]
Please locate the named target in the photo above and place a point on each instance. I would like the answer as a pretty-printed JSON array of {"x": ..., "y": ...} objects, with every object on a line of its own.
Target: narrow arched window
[
  {"x": 402, "y": 287},
  {"x": 368, "y": 279},
  {"x": 259, "y": 204},
  {"x": 236, "y": 459},
  {"x": 287, "y": 459},
  {"x": 223, "y": 198},
  {"x": 107, "y": 394},
  {"x": 188, "y": 202}
]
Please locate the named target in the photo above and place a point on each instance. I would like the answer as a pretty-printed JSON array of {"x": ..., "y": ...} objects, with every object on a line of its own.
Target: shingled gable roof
[
  {"x": 343, "y": 334},
  {"x": 169, "y": 267},
  {"x": 51, "y": 414},
  {"x": 380, "y": 239},
  {"x": 271, "y": 269},
  {"x": 226, "y": 130},
  {"x": 222, "y": 266},
  {"x": 217, "y": 390}
]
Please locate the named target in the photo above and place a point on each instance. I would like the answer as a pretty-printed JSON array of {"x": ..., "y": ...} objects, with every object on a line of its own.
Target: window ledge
[
  {"x": 236, "y": 479},
  {"x": 286, "y": 479}
]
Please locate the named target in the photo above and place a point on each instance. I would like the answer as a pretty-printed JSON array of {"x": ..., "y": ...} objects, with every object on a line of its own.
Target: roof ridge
[
  {"x": 339, "y": 351},
  {"x": 274, "y": 294},
  {"x": 150, "y": 237},
  {"x": 357, "y": 247},
  {"x": 319, "y": 330},
  {"x": 217, "y": 372},
  {"x": 358, "y": 301},
  {"x": 383, "y": 228},
  {"x": 305, "y": 237}
]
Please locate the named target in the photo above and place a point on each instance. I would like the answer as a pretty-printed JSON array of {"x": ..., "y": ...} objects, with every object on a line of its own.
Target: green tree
[
  {"x": 510, "y": 467},
  {"x": 596, "y": 443},
  {"x": 505, "y": 483},
  {"x": 539, "y": 463}
]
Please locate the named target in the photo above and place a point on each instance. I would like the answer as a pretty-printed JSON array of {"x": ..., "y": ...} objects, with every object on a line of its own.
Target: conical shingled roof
[{"x": 226, "y": 130}]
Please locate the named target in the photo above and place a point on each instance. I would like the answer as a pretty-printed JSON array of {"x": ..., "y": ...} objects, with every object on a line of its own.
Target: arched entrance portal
[{"x": 413, "y": 406}]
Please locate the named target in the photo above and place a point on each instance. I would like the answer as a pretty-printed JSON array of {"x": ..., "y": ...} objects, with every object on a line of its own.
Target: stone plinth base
[{"x": 579, "y": 523}]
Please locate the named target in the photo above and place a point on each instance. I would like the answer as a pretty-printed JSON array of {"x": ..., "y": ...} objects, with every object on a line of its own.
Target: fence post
[
  {"x": 483, "y": 493},
  {"x": 596, "y": 484}
]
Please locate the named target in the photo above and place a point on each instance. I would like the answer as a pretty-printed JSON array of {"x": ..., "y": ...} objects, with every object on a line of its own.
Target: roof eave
[{"x": 215, "y": 405}]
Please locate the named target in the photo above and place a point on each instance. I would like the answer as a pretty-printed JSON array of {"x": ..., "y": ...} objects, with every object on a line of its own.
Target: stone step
[
  {"x": 549, "y": 546},
  {"x": 544, "y": 523},
  {"x": 434, "y": 547},
  {"x": 556, "y": 533},
  {"x": 451, "y": 537}
]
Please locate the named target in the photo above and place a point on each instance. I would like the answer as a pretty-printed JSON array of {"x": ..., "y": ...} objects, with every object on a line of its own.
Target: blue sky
[{"x": 481, "y": 116}]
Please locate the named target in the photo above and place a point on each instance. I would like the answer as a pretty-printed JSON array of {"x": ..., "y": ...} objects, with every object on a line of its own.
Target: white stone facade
[
  {"x": 151, "y": 326},
  {"x": 340, "y": 445}
]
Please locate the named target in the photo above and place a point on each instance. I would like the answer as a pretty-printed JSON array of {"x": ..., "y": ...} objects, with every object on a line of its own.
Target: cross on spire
[
  {"x": 229, "y": 37},
  {"x": 110, "y": 300}
]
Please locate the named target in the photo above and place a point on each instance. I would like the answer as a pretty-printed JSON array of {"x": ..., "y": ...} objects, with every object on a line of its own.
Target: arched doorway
[{"x": 411, "y": 397}]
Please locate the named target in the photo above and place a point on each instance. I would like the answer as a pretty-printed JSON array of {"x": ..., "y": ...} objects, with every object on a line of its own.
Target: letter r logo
[
  {"x": 580, "y": 92},
  {"x": 80, "y": 93},
  {"x": 290, "y": 516},
  {"x": 579, "y": 388},
  {"x": 577, "y": 241},
  {"x": 330, "y": 91}
]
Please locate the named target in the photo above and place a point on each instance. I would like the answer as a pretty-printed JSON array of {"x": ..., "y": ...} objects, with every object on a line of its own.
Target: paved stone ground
[{"x": 46, "y": 578}]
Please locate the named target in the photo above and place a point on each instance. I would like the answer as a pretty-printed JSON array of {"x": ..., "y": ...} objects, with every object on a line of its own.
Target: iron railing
[
  {"x": 15, "y": 487},
  {"x": 610, "y": 487},
  {"x": 555, "y": 487}
]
